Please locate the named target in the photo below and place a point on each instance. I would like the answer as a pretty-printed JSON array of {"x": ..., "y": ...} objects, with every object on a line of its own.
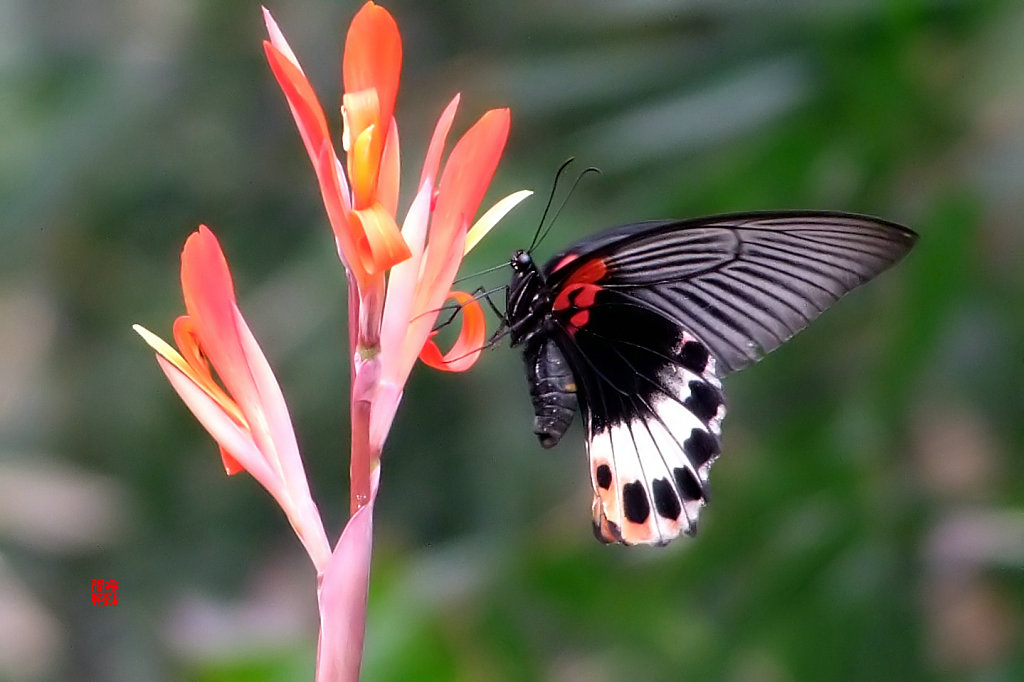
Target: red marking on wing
[
  {"x": 580, "y": 319},
  {"x": 578, "y": 298},
  {"x": 589, "y": 273},
  {"x": 568, "y": 258}
]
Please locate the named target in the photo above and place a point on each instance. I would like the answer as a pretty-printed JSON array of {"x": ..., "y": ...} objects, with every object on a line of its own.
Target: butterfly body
[
  {"x": 637, "y": 324},
  {"x": 551, "y": 380}
]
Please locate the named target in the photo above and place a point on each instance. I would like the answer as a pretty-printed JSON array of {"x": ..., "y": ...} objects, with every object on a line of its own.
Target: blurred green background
[{"x": 868, "y": 512}]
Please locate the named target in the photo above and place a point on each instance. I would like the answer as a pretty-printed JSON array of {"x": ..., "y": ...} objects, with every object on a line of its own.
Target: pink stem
[
  {"x": 365, "y": 309},
  {"x": 362, "y": 456}
]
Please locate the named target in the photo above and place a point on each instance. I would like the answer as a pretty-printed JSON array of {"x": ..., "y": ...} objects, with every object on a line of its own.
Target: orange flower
[
  {"x": 362, "y": 218},
  {"x": 361, "y": 203},
  {"x": 248, "y": 417}
]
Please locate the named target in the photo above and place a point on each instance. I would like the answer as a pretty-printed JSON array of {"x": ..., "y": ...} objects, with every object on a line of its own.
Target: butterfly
[{"x": 637, "y": 325}]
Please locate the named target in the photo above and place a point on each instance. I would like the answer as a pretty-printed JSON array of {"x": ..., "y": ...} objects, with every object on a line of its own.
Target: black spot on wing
[
  {"x": 694, "y": 356},
  {"x": 665, "y": 500},
  {"x": 635, "y": 504},
  {"x": 604, "y": 476},
  {"x": 687, "y": 483},
  {"x": 700, "y": 447},
  {"x": 704, "y": 400}
]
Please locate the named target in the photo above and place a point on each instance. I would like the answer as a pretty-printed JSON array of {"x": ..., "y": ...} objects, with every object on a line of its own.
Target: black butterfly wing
[
  {"x": 742, "y": 283},
  {"x": 650, "y": 315}
]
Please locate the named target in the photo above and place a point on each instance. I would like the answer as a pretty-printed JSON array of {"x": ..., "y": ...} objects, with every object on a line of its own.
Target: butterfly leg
[{"x": 478, "y": 294}]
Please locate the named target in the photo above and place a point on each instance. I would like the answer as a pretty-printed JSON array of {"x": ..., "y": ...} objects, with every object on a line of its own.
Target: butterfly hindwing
[
  {"x": 649, "y": 316},
  {"x": 652, "y": 409},
  {"x": 649, "y": 466}
]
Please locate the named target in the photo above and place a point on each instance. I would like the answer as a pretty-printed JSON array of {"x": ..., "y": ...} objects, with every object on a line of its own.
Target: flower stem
[
  {"x": 365, "y": 309},
  {"x": 363, "y": 459}
]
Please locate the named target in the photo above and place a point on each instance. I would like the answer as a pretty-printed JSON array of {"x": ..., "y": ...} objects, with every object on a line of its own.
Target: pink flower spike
[{"x": 398, "y": 280}]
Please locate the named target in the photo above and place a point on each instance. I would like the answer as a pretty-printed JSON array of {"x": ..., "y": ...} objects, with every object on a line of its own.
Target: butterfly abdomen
[{"x": 552, "y": 389}]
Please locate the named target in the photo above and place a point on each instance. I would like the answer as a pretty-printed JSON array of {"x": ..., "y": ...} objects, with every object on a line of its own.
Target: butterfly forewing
[
  {"x": 741, "y": 283},
  {"x": 649, "y": 316}
]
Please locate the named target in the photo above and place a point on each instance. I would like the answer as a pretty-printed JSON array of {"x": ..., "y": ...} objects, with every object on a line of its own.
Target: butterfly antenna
[
  {"x": 558, "y": 211},
  {"x": 500, "y": 266},
  {"x": 551, "y": 199},
  {"x": 540, "y": 227}
]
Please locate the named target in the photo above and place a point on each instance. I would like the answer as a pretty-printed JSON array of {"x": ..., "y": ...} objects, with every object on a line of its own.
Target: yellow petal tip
[{"x": 491, "y": 217}]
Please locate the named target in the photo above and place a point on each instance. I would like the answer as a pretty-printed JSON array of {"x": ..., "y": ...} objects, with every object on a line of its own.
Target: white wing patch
[{"x": 650, "y": 471}]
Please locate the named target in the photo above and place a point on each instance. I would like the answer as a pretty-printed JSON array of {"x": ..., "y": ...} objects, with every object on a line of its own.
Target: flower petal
[
  {"x": 373, "y": 58},
  {"x": 239, "y": 449},
  {"x": 277, "y": 38},
  {"x": 470, "y": 343},
  {"x": 432, "y": 162},
  {"x": 372, "y": 64},
  {"x": 231, "y": 465},
  {"x": 187, "y": 338},
  {"x": 390, "y": 170},
  {"x": 494, "y": 214},
  {"x": 226, "y": 341},
  {"x": 464, "y": 181},
  {"x": 381, "y": 245},
  {"x": 302, "y": 100},
  {"x": 363, "y": 167},
  {"x": 163, "y": 349},
  {"x": 328, "y": 172},
  {"x": 230, "y": 436},
  {"x": 402, "y": 283},
  {"x": 467, "y": 173},
  {"x": 168, "y": 354},
  {"x": 277, "y": 422},
  {"x": 210, "y": 302}
]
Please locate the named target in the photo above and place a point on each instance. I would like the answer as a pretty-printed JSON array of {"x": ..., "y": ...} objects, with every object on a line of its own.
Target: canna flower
[
  {"x": 362, "y": 217},
  {"x": 390, "y": 317},
  {"x": 390, "y": 322},
  {"x": 399, "y": 278},
  {"x": 247, "y": 417}
]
